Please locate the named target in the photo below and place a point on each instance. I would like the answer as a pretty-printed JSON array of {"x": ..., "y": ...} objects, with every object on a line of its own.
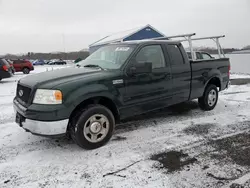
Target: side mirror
[{"x": 140, "y": 68}]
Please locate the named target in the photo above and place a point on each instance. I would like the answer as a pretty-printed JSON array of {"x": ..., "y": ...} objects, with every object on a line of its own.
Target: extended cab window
[
  {"x": 175, "y": 55},
  {"x": 189, "y": 55},
  {"x": 151, "y": 54},
  {"x": 198, "y": 55}
]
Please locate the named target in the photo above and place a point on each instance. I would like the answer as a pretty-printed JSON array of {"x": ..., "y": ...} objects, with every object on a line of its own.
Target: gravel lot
[{"x": 180, "y": 146}]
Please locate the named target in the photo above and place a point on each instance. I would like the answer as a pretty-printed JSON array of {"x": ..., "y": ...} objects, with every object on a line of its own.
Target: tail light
[
  {"x": 5, "y": 68},
  {"x": 229, "y": 68}
]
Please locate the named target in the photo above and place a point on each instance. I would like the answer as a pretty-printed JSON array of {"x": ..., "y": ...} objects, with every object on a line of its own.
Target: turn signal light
[{"x": 58, "y": 95}]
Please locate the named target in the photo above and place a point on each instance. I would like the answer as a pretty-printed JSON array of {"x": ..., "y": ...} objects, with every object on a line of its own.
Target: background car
[
  {"x": 78, "y": 60},
  {"x": 5, "y": 69},
  {"x": 24, "y": 66},
  {"x": 200, "y": 55},
  {"x": 11, "y": 66},
  {"x": 39, "y": 62},
  {"x": 47, "y": 61},
  {"x": 58, "y": 63}
]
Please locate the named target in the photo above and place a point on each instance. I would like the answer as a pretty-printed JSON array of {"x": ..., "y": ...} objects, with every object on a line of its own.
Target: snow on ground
[{"x": 180, "y": 146}]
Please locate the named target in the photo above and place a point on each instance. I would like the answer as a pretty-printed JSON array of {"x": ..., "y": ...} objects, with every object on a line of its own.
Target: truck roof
[{"x": 149, "y": 41}]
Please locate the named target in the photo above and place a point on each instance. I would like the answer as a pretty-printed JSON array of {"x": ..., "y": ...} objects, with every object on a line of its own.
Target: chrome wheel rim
[
  {"x": 96, "y": 128},
  {"x": 212, "y": 96}
]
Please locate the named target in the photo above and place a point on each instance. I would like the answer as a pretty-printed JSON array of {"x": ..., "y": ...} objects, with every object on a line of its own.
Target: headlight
[{"x": 46, "y": 96}]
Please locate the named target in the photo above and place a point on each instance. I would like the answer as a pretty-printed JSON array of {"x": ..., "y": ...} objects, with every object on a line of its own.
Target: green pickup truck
[{"x": 116, "y": 82}]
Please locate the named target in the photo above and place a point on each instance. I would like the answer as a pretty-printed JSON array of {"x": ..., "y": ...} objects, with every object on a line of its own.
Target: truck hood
[{"x": 51, "y": 79}]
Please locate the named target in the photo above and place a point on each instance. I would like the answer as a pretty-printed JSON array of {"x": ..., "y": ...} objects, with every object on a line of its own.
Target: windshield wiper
[{"x": 94, "y": 66}]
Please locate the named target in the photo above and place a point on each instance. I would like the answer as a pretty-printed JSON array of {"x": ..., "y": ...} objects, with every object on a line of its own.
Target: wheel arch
[
  {"x": 102, "y": 100},
  {"x": 215, "y": 81},
  {"x": 25, "y": 67}
]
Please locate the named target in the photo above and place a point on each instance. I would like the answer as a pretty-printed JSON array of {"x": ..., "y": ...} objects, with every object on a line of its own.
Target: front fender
[{"x": 81, "y": 94}]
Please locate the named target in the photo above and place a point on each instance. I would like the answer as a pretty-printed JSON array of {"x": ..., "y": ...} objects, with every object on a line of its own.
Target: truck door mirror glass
[{"x": 140, "y": 68}]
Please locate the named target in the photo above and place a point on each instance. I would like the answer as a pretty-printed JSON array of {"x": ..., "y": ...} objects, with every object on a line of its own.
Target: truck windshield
[{"x": 108, "y": 57}]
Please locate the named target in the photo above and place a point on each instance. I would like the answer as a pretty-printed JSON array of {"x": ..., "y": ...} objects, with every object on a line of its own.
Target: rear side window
[{"x": 175, "y": 55}]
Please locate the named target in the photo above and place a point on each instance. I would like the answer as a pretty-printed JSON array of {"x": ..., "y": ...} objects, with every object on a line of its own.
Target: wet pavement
[{"x": 173, "y": 160}]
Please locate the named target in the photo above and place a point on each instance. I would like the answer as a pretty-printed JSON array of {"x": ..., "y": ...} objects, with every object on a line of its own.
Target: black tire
[
  {"x": 207, "y": 103},
  {"x": 26, "y": 71},
  {"x": 82, "y": 122}
]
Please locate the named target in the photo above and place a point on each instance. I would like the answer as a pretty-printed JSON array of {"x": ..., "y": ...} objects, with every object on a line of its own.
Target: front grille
[{"x": 23, "y": 93}]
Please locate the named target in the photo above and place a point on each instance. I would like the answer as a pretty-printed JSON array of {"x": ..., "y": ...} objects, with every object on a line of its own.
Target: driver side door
[{"x": 150, "y": 90}]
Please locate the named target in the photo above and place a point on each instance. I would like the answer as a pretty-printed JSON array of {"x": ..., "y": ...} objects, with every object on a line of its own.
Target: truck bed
[{"x": 203, "y": 70}]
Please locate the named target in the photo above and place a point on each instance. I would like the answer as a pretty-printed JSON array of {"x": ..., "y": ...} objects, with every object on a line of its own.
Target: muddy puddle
[
  {"x": 236, "y": 148},
  {"x": 173, "y": 160}
]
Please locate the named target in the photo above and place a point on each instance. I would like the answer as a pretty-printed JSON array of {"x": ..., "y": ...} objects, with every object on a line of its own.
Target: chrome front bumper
[{"x": 45, "y": 128}]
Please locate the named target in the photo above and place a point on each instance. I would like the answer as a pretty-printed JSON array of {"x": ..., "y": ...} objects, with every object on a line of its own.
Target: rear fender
[{"x": 214, "y": 74}]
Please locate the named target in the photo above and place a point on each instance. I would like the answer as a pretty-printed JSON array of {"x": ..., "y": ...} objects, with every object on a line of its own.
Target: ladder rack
[{"x": 189, "y": 39}]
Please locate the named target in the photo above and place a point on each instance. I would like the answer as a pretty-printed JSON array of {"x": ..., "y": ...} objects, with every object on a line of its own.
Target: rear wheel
[
  {"x": 93, "y": 127},
  {"x": 26, "y": 71},
  {"x": 209, "y": 99}
]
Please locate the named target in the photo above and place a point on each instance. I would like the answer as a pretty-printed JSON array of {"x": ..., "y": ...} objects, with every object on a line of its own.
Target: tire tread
[{"x": 203, "y": 100}]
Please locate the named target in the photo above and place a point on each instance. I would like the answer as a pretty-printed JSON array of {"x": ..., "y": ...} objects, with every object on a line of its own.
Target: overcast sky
[{"x": 43, "y": 25}]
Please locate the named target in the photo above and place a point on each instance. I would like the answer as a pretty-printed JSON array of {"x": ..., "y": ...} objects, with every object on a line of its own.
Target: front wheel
[
  {"x": 26, "y": 71},
  {"x": 92, "y": 128},
  {"x": 209, "y": 99}
]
